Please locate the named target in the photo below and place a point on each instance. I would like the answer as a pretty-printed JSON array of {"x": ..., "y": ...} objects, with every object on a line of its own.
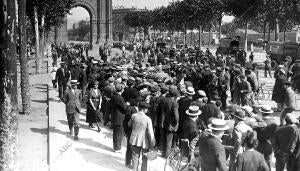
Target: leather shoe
[{"x": 76, "y": 137}]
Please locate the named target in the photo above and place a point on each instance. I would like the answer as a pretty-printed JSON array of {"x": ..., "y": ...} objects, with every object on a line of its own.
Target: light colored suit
[{"x": 142, "y": 131}]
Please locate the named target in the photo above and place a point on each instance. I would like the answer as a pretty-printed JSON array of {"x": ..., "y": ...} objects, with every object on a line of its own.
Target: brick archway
[{"x": 100, "y": 21}]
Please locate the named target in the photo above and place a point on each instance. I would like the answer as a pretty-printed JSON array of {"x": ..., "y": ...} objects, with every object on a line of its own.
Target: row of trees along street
[
  {"x": 43, "y": 16},
  {"x": 278, "y": 15}
]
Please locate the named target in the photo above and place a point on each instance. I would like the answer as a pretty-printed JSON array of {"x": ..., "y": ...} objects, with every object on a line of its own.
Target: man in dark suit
[
  {"x": 83, "y": 79},
  {"x": 169, "y": 118},
  {"x": 212, "y": 151},
  {"x": 183, "y": 105},
  {"x": 132, "y": 109},
  {"x": 72, "y": 99},
  {"x": 281, "y": 141},
  {"x": 118, "y": 107},
  {"x": 190, "y": 127},
  {"x": 210, "y": 110},
  {"x": 62, "y": 77}
]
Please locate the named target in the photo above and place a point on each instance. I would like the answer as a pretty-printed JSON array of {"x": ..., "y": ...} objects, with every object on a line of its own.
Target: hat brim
[
  {"x": 267, "y": 112},
  {"x": 237, "y": 117},
  {"x": 193, "y": 114},
  {"x": 218, "y": 129},
  {"x": 190, "y": 93}
]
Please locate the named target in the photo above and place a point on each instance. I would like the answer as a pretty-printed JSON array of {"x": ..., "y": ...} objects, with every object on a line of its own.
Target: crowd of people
[{"x": 159, "y": 96}]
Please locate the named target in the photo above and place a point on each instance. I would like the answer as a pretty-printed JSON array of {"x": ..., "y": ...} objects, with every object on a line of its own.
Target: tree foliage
[{"x": 53, "y": 10}]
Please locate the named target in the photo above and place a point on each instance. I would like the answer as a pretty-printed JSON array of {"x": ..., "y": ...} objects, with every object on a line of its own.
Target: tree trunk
[
  {"x": 265, "y": 24},
  {"x": 8, "y": 93},
  {"x": 220, "y": 27},
  {"x": 269, "y": 33},
  {"x": 42, "y": 40},
  {"x": 25, "y": 91},
  {"x": 246, "y": 37},
  {"x": 185, "y": 34},
  {"x": 276, "y": 30},
  {"x": 209, "y": 36},
  {"x": 37, "y": 42},
  {"x": 55, "y": 35},
  {"x": 284, "y": 31},
  {"x": 200, "y": 31}
]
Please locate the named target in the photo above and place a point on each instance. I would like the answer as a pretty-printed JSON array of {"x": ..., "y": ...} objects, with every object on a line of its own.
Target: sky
[{"x": 80, "y": 13}]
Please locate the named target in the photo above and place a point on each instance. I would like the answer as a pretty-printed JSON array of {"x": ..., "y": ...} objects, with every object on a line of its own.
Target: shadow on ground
[{"x": 103, "y": 160}]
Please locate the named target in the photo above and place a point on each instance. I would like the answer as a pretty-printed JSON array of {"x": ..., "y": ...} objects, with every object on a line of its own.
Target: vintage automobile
[
  {"x": 283, "y": 51},
  {"x": 228, "y": 46}
]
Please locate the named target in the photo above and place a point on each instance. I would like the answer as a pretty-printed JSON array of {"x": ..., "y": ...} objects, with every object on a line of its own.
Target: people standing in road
[
  {"x": 250, "y": 159},
  {"x": 118, "y": 108},
  {"x": 93, "y": 114},
  {"x": 142, "y": 136},
  {"x": 72, "y": 99},
  {"x": 268, "y": 66},
  {"x": 289, "y": 103},
  {"x": 62, "y": 77}
]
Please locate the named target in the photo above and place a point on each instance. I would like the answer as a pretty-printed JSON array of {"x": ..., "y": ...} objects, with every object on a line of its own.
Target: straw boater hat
[
  {"x": 74, "y": 82},
  {"x": 193, "y": 111},
  {"x": 190, "y": 91},
  {"x": 218, "y": 124},
  {"x": 266, "y": 109}
]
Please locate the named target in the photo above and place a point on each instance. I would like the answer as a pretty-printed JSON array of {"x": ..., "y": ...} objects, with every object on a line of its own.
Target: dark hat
[
  {"x": 164, "y": 88},
  {"x": 95, "y": 82},
  {"x": 287, "y": 83},
  {"x": 240, "y": 114},
  {"x": 62, "y": 63},
  {"x": 154, "y": 89},
  {"x": 173, "y": 91},
  {"x": 219, "y": 69},
  {"x": 144, "y": 105}
]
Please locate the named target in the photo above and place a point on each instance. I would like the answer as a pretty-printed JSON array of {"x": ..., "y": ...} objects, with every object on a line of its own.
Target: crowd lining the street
[{"x": 158, "y": 96}]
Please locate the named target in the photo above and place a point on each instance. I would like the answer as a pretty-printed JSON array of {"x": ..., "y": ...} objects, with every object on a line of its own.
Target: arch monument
[{"x": 100, "y": 21}]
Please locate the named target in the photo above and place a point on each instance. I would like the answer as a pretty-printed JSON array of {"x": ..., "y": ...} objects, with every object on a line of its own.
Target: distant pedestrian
[
  {"x": 251, "y": 57},
  {"x": 268, "y": 66}
]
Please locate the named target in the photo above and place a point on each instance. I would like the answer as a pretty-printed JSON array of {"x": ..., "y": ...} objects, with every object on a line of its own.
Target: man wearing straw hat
[
  {"x": 72, "y": 99},
  {"x": 212, "y": 151}
]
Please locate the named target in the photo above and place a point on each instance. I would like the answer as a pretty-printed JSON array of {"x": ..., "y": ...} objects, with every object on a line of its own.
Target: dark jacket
[
  {"x": 189, "y": 129},
  {"x": 168, "y": 117},
  {"x": 282, "y": 139},
  {"x": 129, "y": 112},
  {"x": 72, "y": 101},
  {"x": 212, "y": 153},
  {"x": 209, "y": 110},
  {"x": 251, "y": 161},
  {"x": 62, "y": 77},
  {"x": 183, "y": 105},
  {"x": 118, "y": 107}
]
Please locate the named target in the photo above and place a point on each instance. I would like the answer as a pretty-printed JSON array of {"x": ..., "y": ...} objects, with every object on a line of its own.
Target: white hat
[
  {"x": 201, "y": 93},
  {"x": 266, "y": 109},
  {"x": 218, "y": 124},
  {"x": 74, "y": 82},
  {"x": 193, "y": 111},
  {"x": 190, "y": 91}
]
